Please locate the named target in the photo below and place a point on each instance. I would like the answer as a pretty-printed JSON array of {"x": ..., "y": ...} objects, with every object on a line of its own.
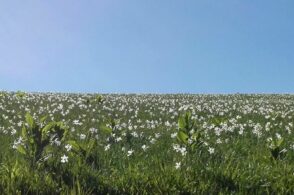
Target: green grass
[{"x": 146, "y": 144}]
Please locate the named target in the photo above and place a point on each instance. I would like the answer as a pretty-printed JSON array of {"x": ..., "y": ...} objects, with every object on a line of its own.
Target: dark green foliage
[{"x": 37, "y": 139}]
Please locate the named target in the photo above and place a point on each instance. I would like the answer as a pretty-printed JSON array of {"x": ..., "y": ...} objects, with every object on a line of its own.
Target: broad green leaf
[
  {"x": 188, "y": 116},
  {"x": 49, "y": 149},
  {"x": 105, "y": 129},
  {"x": 183, "y": 137},
  {"x": 196, "y": 136},
  {"x": 24, "y": 132},
  {"x": 74, "y": 145},
  {"x": 279, "y": 142},
  {"x": 60, "y": 125},
  {"x": 48, "y": 127},
  {"x": 30, "y": 120},
  {"x": 43, "y": 119},
  {"x": 181, "y": 123},
  {"x": 21, "y": 149},
  {"x": 31, "y": 141},
  {"x": 91, "y": 143}
]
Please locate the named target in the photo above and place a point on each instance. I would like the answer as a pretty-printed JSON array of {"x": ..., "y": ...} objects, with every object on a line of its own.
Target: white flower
[
  {"x": 190, "y": 141},
  {"x": 211, "y": 150},
  {"x": 167, "y": 124},
  {"x": 19, "y": 123},
  {"x": 68, "y": 147},
  {"x": 82, "y": 136},
  {"x": 93, "y": 130},
  {"x": 13, "y": 132},
  {"x": 269, "y": 139},
  {"x": 180, "y": 149},
  {"x": 130, "y": 152},
  {"x": 144, "y": 147},
  {"x": 283, "y": 151},
  {"x": 60, "y": 107},
  {"x": 278, "y": 136},
  {"x": 183, "y": 151},
  {"x": 118, "y": 139},
  {"x": 107, "y": 147},
  {"x": 178, "y": 165},
  {"x": 157, "y": 135},
  {"x": 135, "y": 134},
  {"x": 77, "y": 122},
  {"x": 152, "y": 141},
  {"x": 57, "y": 142},
  {"x": 219, "y": 141},
  {"x": 47, "y": 157},
  {"x": 173, "y": 135},
  {"x": 15, "y": 145},
  {"x": 17, "y": 142},
  {"x": 64, "y": 159}
]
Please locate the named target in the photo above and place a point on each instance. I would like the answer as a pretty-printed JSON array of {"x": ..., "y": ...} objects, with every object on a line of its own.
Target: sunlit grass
[{"x": 146, "y": 144}]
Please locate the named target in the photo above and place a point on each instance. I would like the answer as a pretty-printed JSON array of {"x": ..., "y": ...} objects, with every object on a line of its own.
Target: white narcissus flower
[
  {"x": 118, "y": 139},
  {"x": 13, "y": 132},
  {"x": 278, "y": 136},
  {"x": 183, "y": 151},
  {"x": 211, "y": 150},
  {"x": 157, "y": 135},
  {"x": 82, "y": 136},
  {"x": 64, "y": 159},
  {"x": 178, "y": 165},
  {"x": 152, "y": 141},
  {"x": 284, "y": 150},
  {"x": 57, "y": 142},
  {"x": 93, "y": 130},
  {"x": 144, "y": 147},
  {"x": 173, "y": 135},
  {"x": 107, "y": 147},
  {"x": 77, "y": 122},
  {"x": 130, "y": 152},
  {"x": 68, "y": 147}
]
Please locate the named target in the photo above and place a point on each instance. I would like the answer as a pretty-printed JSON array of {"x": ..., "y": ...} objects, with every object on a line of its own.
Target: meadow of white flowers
[{"x": 146, "y": 143}]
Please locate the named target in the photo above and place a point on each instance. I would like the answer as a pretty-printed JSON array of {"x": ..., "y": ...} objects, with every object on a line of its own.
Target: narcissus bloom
[{"x": 64, "y": 159}]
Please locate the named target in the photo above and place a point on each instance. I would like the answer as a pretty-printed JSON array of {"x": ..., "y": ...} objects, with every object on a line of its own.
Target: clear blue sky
[{"x": 160, "y": 46}]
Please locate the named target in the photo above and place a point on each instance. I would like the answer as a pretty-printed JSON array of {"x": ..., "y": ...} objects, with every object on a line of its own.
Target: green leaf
[
  {"x": 31, "y": 140},
  {"x": 43, "y": 119},
  {"x": 24, "y": 132},
  {"x": 91, "y": 143},
  {"x": 196, "y": 136},
  {"x": 279, "y": 142},
  {"x": 47, "y": 129},
  {"x": 90, "y": 146},
  {"x": 106, "y": 129},
  {"x": 99, "y": 99},
  {"x": 60, "y": 125},
  {"x": 49, "y": 149},
  {"x": 21, "y": 149},
  {"x": 30, "y": 120},
  {"x": 181, "y": 123},
  {"x": 74, "y": 145},
  {"x": 183, "y": 137}
]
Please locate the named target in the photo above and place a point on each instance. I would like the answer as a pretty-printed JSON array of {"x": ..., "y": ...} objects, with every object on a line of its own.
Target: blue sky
[{"x": 166, "y": 46}]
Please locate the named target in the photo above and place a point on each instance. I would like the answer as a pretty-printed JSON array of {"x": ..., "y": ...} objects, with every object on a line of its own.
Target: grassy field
[{"x": 146, "y": 144}]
